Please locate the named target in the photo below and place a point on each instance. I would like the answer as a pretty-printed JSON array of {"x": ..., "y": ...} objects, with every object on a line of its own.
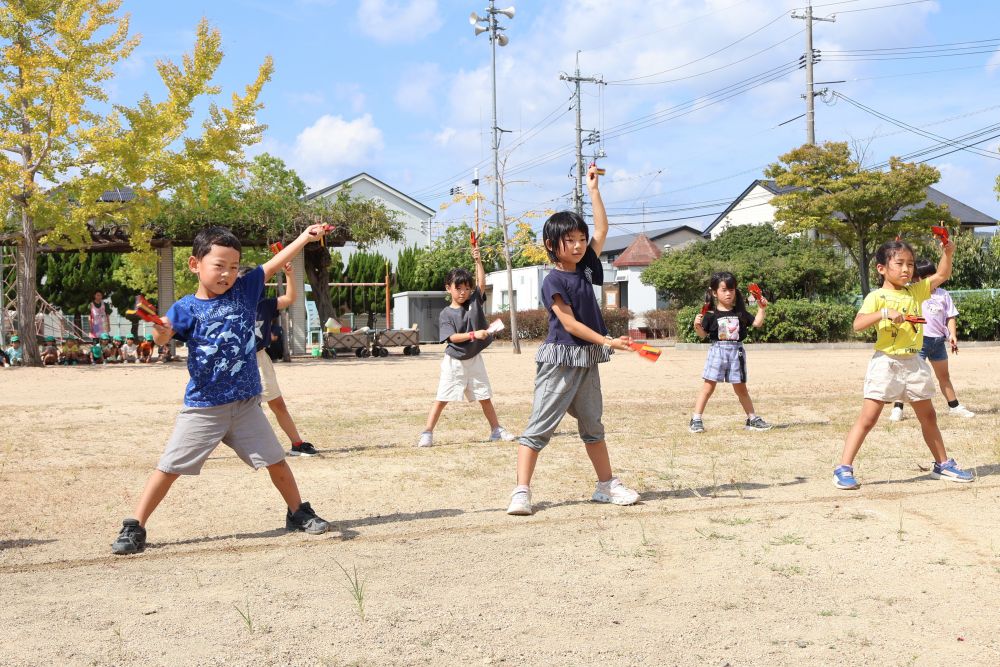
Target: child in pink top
[{"x": 940, "y": 313}]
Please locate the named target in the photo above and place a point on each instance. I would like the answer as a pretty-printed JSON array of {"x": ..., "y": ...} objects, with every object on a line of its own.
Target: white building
[
  {"x": 753, "y": 207},
  {"x": 416, "y": 217}
]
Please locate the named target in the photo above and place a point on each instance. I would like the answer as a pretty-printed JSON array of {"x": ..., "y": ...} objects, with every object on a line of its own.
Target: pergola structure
[{"x": 115, "y": 239}]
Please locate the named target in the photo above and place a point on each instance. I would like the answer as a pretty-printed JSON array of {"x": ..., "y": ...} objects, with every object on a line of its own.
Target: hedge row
[
  {"x": 790, "y": 321},
  {"x": 534, "y": 324}
]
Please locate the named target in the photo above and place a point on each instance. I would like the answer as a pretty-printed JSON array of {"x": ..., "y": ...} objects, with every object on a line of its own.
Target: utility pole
[
  {"x": 809, "y": 60},
  {"x": 580, "y": 171}
]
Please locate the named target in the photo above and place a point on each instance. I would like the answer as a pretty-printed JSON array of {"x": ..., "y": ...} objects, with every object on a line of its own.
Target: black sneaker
[
  {"x": 757, "y": 424},
  {"x": 696, "y": 426},
  {"x": 305, "y": 519},
  {"x": 303, "y": 449},
  {"x": 131, "y": 540}
]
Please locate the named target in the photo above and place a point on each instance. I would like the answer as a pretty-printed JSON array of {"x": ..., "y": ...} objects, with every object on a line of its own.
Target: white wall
[
  {"x": 754, "y": 209},
  {"x": 527, "y": 288}
]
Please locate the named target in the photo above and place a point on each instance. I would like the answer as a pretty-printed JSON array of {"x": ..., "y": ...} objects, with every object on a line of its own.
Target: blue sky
[{"x": 400, "y": 89}]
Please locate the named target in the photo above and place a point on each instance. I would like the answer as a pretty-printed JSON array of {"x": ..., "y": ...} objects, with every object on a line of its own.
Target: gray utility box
[{"x": 422, "y": 309}]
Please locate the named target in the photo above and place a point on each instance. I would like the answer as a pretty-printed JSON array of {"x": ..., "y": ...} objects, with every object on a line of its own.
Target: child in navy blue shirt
[
  {"x": 567, "y": 379},
  {"x": 222, "y": 400}
]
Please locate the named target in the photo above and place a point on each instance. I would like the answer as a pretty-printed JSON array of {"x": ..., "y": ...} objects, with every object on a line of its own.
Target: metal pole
[
  {"x": 578, "y": 181},
  {"x": 810, "y": 96}
]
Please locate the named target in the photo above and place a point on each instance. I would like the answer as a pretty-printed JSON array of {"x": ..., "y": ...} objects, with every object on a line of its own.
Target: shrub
[
  {"x": 979, "y": 317},
  {"x": 616, "y": 319},
  {"x": 534, "y": 324},
  {"x": 661, "y": 323},
  {"x": 797, "y": 321}
]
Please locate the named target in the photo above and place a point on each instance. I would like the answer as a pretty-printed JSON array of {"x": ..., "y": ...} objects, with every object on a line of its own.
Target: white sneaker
[
  {"x": 896, "y": 414},
  {"x": 961, "y": 411},
  {"x": 500, "y": 433},
  {"x": 426, "y": 439},
  {"x": 520, "y": 501},
  {"x": 613, "y": 491}
]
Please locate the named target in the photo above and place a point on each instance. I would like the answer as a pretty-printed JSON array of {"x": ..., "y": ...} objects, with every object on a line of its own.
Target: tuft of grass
[
  {"x": 714, "y": 535},
  {"x": 725, "y": 521},
  {"x": 787, "y": 538},
  {"x": 355, "y": 587},
  {"x": 245, "y": 615},
  {"x": 828, "y": 612},
  {"x": 786, "y": 570}
]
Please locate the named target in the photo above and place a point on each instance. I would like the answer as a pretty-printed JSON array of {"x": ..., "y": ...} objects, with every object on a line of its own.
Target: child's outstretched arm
[
  {"x": 480, "y": 271},
  {"x": 288, "y": 298},
  {"x": 758, "y": 320},
  {"x": 944, "y": 265},
  {"x": 576, "y": 328},
  {"x": 600, "y": 215},
  {"x": 162, "y": 333},
  {"x": 310, "y": 234}
]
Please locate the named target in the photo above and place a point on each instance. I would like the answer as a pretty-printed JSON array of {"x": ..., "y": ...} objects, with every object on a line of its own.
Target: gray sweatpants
[{"x": 562, "y": 389}]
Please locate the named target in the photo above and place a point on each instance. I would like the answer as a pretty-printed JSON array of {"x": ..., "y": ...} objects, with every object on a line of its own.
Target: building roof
[
  {"x": 642, "y": 252},
  {"x": 613, "y": 244},
  {"x": 969, "y": 216},
  {"x": 371, "y": 179}
]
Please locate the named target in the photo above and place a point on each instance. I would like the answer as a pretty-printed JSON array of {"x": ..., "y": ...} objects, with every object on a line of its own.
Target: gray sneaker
[
  {"x": 757, "y": 424},
  {"x": 131, "y": 539},
  {"x": 696, "y": 426},
  {"x": 305, "y": 518}
]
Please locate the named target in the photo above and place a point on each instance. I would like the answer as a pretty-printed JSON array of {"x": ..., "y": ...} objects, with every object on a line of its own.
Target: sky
[{"x": 700, "y": 95}]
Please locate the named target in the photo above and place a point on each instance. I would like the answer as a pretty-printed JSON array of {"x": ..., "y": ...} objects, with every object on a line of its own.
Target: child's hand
[
  {"x": 480, "y": 334},
  {"x": 621, "y": 343},
  {"x": 949, "y": 247},
  {"x": 317, "y": 231},
  {"x": 592, "y": 177},
  {"x": 954, "y": 344},
  {"x": 895, "y": 316},
  {"x": 164, "y": 329},
  {"x": 475, "y": 254},
  {"x": 697, "y": 319},
  {"x": 288, "y": 269}
]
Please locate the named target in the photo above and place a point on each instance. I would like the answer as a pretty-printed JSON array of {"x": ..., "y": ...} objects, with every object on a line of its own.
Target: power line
[
  {"x": 896, "y": 4},
  {"x": 919, "y": 46}
]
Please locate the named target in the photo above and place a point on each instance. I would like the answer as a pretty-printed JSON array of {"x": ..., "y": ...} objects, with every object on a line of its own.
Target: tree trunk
[
  {"x": 27, "y": 297},
  {"x": 317, "y": 263}
]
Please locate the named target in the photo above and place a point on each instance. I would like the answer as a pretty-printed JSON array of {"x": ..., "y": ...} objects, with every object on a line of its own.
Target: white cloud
[
  {"x": 332, "y": 142},
  {"x": 409, "y": 21},
  {"x": 416, "y": 92}
]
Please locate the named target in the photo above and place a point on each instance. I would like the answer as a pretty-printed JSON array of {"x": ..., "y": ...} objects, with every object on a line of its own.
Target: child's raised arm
[
  {"x": 288, "y": 298},
  {"x": 577, "y": 328},
  {"x": 944, "y": 265},
  {"x": 600, "y": 215},
  {"x": 310, "y": 234},
  {"x": 758, "y": 320},
  {"x": 480, "y": 271}
]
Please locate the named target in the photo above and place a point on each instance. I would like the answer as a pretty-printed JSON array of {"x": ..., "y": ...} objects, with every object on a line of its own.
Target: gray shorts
[
  {"x": 726, "y": 362},
  {"x": 562, "y": 389},
  {"x": 198, "y": 431}
]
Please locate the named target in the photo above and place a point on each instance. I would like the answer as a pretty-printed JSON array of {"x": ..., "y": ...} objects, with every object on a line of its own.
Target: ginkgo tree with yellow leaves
[{"x": 62, "y": 145}]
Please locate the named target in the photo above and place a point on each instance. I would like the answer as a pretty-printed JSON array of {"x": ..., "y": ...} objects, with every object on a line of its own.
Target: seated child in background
[
  {"x": 146, "y": 349},
  {"x": 130, "y": 351},
  {"x": 163, "y": 354},
  {"x": 70, "y": 353},
  {"x": 50, "y": 353},
  {"x": 113, "y": 350},
  {"x": 15, "y": 355},
  {"x": 97, "y": 349}
]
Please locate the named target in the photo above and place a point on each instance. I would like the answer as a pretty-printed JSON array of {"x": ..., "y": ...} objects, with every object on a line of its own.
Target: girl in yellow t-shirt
[{"x": 897, "y": 372}]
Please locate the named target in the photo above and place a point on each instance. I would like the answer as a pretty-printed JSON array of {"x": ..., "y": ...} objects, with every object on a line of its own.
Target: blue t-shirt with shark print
[{"x": 222, "y": 347}]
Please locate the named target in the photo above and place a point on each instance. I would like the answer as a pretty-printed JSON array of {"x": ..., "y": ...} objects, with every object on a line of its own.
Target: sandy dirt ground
[{"x": 740, "y": 553}]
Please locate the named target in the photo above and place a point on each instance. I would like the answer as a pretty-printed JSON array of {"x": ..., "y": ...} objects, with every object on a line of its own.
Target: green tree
[
  {"x": 407, "y": 278},
  {"x": 858, "y": 208},
  {"x": 69, "y": 280},
  {"x": 785, "y": 267},
  {"x": 61, "y": 146},
  {"x": 363, "y": 267}
]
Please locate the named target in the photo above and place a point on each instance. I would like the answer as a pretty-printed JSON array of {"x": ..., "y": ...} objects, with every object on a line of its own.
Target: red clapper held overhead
[
  {"x": 757, "y": 293},
  {"x": 941, "y": 233}
]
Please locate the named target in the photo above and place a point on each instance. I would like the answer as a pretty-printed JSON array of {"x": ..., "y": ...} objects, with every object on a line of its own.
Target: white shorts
[
  {"x": 464, "y": 378},
  {"x": 269, "y": 389},
  {"x": 906, "y": 379}
]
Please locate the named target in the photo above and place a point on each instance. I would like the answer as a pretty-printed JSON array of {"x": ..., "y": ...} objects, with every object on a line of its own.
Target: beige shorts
[
  {"x": 906, "y": 379},
  {"x": 464, "y": 379},
  {"x": 269, "y": 389}
]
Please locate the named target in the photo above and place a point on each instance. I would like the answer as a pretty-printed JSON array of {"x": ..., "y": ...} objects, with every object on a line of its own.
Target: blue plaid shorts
[{"x": 726, "y": 363}]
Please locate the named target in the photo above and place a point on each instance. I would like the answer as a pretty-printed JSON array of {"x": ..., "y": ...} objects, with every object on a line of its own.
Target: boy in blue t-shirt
[{"x": 222, "y": 400}]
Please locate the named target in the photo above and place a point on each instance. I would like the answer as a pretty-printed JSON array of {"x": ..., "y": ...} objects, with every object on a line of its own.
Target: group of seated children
[{"x": 105, "y": 349}]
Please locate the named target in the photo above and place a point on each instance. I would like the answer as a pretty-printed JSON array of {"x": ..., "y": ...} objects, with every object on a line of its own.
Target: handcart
[
  {"x": 357, "y": 342},
  {"x": 408, "y": 339}
]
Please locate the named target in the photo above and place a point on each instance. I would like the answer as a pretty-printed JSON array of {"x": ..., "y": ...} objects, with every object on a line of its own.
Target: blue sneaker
[
  {"x": 950, "y": 471},
  {"x": 843, "y": 478}
]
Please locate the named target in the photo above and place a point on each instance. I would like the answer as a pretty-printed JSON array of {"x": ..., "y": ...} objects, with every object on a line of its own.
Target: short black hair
[
  {"x": 458, "y": 277},
  {"x": 559, "y": 225},
  {"x": 214, "y": 235},
  {"x": 924, "y": 268}
]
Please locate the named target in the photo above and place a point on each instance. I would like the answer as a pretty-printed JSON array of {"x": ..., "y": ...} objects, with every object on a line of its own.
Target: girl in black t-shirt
[{"x": 725, "y": 321}]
